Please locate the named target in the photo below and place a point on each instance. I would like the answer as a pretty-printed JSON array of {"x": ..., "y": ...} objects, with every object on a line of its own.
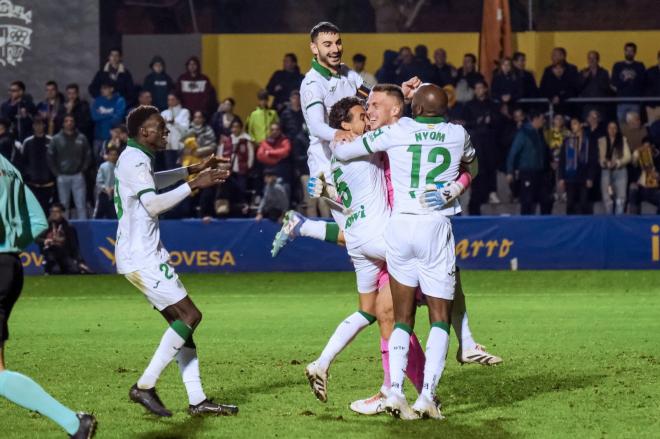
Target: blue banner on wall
[{"x": 493, "y": 243}]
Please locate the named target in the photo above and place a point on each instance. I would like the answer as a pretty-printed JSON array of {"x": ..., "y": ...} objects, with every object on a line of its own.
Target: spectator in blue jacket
[
  {"x": 628, "y": 81},
  {"x": 158, "y": 83},
  {"x": 107, "y": 111},
  {"x": 529, "y": 159}
]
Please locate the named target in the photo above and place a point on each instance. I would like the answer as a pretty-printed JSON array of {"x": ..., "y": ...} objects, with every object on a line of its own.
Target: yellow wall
[{"x": 241, "y": 64}]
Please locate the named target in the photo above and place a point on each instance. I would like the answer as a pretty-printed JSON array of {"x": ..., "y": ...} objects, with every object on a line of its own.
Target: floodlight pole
[
  {"x": 194, "y": 17},
  {"x": 530, "y": 16}
]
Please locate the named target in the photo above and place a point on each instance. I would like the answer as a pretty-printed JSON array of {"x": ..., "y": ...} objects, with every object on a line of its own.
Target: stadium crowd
[{"x": 67, "y": 147}]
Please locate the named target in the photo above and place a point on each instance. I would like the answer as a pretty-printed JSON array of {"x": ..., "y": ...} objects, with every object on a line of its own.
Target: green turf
[{"x": 580, "y": 350}]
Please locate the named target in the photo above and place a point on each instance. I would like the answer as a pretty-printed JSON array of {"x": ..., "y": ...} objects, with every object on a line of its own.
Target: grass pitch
[{"x": 580, "y": 350}]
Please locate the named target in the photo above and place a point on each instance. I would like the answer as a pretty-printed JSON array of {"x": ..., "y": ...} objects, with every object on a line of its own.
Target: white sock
[
  {"x": 399, "y": 344},
  {"x": 189, "y": 367},
  {"x": 313, "y": 229},
  {"x": 343, "y": 335},
  {"x": 459, "y": 321},
  {"x": 436, "y": 353},
  {"x": 169, "y": 346}
]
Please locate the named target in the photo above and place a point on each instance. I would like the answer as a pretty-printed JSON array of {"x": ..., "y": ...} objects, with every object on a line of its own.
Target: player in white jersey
[
  {"x": 362, "y": 189},
  {"x": 420, "y": 245},
  {"x": 324, "y": 84},
  {"x": 384, "y": 107},
  {"x": 143, "y": 260}
]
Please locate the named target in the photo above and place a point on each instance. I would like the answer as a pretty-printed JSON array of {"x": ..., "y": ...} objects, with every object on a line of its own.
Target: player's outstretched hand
[
  {"x": 344, "y": 136},
  {"x": 211, "y": 162},
  {"x": 410, "y": 86},
  {"x": 435, "y": 197},
  {"x": 315, "y": 186},
  {"x": 208, "y": 178}
]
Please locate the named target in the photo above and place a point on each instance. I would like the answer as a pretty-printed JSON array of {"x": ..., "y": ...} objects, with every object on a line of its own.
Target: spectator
[
  {"x": 206, "y": 141},
  {"x": 284, "y": 81},
  {"x": 386, "y": 74},
  {"x": 195, "y": 89},
  {"x": 52, "y": 109},
  {"x": 59, "y": 246},
  {"x": 177, "y": 119},
  {"x": 224, "y": 118},
  {"x": 528, "y": 157},
  {"x": 595, "y": 129},
  {"x": 594, "y": 80},
  {"x": 259, "y": 121},
  {"x": 144, "y": 98},
  {"x": 647, "y": 158},
  {"x": 116, "y": 73},
  {"x": 613, "y": 155},
  {"x": 405, "y": 65},
  {"x": 445, "y": 73},
  {"x": 105, "y": 186},
  {"x": 107, "y": 111},
  {"x": 507, "y": 85},
  {"x": 633, "y": 130},
  {"x": 118, "y": 140},
  {"x": 158, "y": 83},
  {"x": 7, "y": 148},
  {"x": 240, "y": 151},
  {"x": 292, "y": 119},
  {"x": 275, "y": 200},
  {"x": 529, "y": 89},
  {"x": 484, "y": 123},
  {"x": 653, "y": 90},
  {"x": 555, "y": 134},
  {"x": 69, "y": 156},
  {"x": 628, "y": 81},
  {"x": 18, "y": 110},
  {"x": 359, "y": 64},
  {"x": 79, "y": 109},
  {"x": 468, "y": 72},
  {"x": 577, "y": 170},
  {"x": 557, "y": 84},
  {"x": 33, "y": 164},
  {"x": 422, "y": 67},
  {"x": 274, "y": 152}
]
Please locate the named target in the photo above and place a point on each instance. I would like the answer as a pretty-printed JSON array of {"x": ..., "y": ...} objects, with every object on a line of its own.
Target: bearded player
[
  {"x": 143, "y": 260},
  {"x": 384, "y": 107}
]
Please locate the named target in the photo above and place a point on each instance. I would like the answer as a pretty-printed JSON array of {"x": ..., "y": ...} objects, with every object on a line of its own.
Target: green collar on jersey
[
  {"x": 144, "y": 149},
  {"x": 433, "y": 119},
  {"x": 324, "y": 71}
]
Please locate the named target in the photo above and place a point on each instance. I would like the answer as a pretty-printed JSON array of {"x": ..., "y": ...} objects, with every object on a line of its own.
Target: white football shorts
[
  {"x": 420, "y": 252},
  {"x": 159, "y": 283},
  {"x": 368, "y": 260}
]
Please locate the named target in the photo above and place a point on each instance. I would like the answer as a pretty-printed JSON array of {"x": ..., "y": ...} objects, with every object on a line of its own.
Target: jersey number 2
[{"x": 416, "y": 151}]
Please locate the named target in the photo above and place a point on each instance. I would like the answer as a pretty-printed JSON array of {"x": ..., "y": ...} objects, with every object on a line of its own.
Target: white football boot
[
  {"x": 370, "y": 406},
  {"x": 425, "y": 408},
  {"x": 318, "y": 380},
  {"x": 396, "y": 405},
  {"x": 477, "y": 355}
]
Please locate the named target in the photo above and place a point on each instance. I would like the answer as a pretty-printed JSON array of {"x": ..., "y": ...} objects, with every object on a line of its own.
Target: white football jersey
[
  {"x": 323, "y": 87},
  {"x": 361, "y": 185},
  {"x": 423, "y": 151},
  {"x": 138, "y": 237}
]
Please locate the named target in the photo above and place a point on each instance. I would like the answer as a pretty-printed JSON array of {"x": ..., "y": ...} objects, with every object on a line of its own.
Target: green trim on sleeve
[
  {"x": 144, "y": 191},
  {"x": 366, "y": 145},
  {"x": 313, "y": 103}
]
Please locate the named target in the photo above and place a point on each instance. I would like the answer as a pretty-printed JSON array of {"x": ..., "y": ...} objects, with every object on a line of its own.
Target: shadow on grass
[{"x": 183, "y": 430}]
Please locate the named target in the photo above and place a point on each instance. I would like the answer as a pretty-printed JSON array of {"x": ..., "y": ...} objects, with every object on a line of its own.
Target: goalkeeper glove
[{"x": 437, "y": 196}]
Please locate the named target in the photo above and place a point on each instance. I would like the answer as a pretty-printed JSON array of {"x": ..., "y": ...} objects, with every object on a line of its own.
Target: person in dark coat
[
  {"x": 387, "y": 72},
  {"x": 116, "y": 72},
  {"x": 158, "y": 83},
  {"x": 577, "y": 170},
  {"x": 32, "y": 161},
  {"x": 484, "y": 123},
  {"x": 529, "y": 88},
  {"x": 284, "y": 81}
]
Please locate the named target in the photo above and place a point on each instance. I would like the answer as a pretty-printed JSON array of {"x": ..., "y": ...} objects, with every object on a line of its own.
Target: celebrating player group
[{"x": 393, "y": 184}]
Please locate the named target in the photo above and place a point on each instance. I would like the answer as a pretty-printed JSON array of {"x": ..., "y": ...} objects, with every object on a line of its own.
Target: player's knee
[{"x": 192, "y": 317}]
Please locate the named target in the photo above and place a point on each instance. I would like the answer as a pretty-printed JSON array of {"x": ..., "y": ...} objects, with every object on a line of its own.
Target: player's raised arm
[
  {"x": 366, "y": 144},
  {"x": 167, "y": 178}
]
